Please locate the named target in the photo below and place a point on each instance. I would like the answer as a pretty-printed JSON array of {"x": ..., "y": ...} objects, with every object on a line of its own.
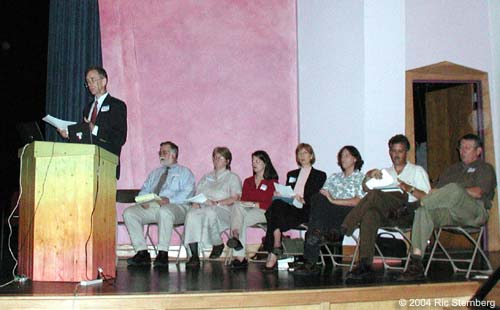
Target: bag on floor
[
  {"x": 390, "y": 246},
  {"x": 293, "y": 245}
]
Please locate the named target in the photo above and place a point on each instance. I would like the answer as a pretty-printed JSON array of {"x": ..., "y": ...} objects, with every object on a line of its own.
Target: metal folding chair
[
  {"x": 329, "y": 253},
  {"x": 332, "y": 255},
  {"x": 176, "y": 230},
  {"x": 467, "y": 232},
  {"x": 378, "y": 252},
  {"x": 202, "y": 249},
  {"x": 229, "y": 256}
]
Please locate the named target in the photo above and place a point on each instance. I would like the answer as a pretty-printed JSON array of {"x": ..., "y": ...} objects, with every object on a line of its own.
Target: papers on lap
[
  {"x": 200, "y": 198},
  {"x": 290, "y": 200},
  {"x": 147, "y": 198},
  {"x": 287, "y": 194},
  {"x": 248, "y": 204},
  {"x": 391, "y": 189}
]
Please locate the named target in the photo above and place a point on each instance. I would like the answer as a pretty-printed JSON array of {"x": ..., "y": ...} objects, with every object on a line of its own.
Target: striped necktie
[
  {"x": 161, "y": 182},
  {"x": 94, "y": 113}
]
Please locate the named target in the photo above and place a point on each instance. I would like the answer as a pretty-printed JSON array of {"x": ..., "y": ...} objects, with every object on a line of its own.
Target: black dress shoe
[
  {"x": 237, "y": 264},
  {"x": 161, "y": 259},
  {"x": 216, "y": 251},
  {"x": 193, "y": 262},
  {"x": 234, "y": 243},
  {"x": 140, "y": 258}
]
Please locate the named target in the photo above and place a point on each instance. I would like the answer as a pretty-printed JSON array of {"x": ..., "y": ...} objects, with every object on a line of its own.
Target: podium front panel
[{"x": 67, "y": 212}]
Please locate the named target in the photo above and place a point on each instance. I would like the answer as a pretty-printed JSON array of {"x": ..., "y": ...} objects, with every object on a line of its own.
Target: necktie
[
  {"x": 94, "y": 113},
  {"x": 161, "y": 182}
]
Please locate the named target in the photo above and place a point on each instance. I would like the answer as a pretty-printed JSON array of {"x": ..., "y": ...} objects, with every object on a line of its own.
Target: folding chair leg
[
  {"x": 330, "y": 254},
  {"x": 470, "y": 262},
  {"x": 148, "y": 236},
  {"x": 181, "y": 245},
  {"x": 355, "y": 255},
  {"x": 229, "y": 257},
  {"x": 433, "y": 250}
]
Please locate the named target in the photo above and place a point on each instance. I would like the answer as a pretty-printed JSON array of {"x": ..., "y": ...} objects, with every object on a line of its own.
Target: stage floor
[
  {"x": 214, "y": 277},
  {"x": 215, "y": 286}
]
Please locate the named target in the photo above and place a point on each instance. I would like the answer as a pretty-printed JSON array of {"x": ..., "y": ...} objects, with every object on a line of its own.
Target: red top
[{"x": 263, "y": 194}]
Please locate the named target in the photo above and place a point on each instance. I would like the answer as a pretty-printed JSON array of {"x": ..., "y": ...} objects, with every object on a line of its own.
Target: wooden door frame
[{"x": 443, "y": 72}]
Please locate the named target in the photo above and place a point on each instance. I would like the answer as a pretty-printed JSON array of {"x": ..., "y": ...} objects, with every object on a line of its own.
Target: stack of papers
[
  {"x": 200, "y": 198},
  {"x": 147, "y": 198},
  {"x": 385, "y": 184}
]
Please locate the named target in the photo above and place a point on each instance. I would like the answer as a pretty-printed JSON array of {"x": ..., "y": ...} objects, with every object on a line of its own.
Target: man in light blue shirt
[{"x": 174, "y": 184}]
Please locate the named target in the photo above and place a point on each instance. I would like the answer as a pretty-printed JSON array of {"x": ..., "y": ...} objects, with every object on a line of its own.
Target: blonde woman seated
[
  {"x": 282, "y": 216},
  {"x": 205, "y": 222},
  {"x": 257, "y": 196}
]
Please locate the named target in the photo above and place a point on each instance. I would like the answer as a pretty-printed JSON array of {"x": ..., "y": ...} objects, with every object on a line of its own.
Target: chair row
[{"x": 127, "y": 196}]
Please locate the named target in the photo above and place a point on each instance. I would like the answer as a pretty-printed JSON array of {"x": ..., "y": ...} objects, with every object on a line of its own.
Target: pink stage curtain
[{"x": 203, "y": 74}]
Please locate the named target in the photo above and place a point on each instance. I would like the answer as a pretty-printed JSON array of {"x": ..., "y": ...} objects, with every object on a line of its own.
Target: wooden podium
[{"x": 67, "y": 213}]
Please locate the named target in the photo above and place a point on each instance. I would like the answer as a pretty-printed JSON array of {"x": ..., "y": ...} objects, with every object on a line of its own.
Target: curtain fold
[{"x": 74, "y": 44}]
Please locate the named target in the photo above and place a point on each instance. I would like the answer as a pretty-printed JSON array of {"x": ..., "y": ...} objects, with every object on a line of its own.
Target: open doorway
[
  {"x": 442, "y": 85},
  {"x": 444, "y": 112}
]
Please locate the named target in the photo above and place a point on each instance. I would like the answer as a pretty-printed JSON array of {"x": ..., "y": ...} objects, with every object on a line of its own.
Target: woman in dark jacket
[{"x": 281, "y": 215}]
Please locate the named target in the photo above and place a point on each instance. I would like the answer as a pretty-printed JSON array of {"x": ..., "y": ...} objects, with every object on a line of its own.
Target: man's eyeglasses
[{"x": 93, "y": 81}]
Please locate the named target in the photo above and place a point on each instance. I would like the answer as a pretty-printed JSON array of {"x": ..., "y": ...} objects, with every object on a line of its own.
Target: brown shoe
[
  {"x": 415, "y": 272},
  {"x": 362, "y": 272}
]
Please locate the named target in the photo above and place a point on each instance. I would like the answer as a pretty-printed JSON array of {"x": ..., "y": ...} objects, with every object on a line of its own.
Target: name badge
[
  {"x": 471, "y": 170},
  {"x": 292, "y": 179},
  {"x": 105, "y": 108},
  {"x": 263, "y": 187}
]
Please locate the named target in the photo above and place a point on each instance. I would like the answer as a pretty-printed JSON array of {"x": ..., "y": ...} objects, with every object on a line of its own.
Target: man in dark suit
[
  {"x": 106, "y": 115},
  {"x": 107, "y": 121}
]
